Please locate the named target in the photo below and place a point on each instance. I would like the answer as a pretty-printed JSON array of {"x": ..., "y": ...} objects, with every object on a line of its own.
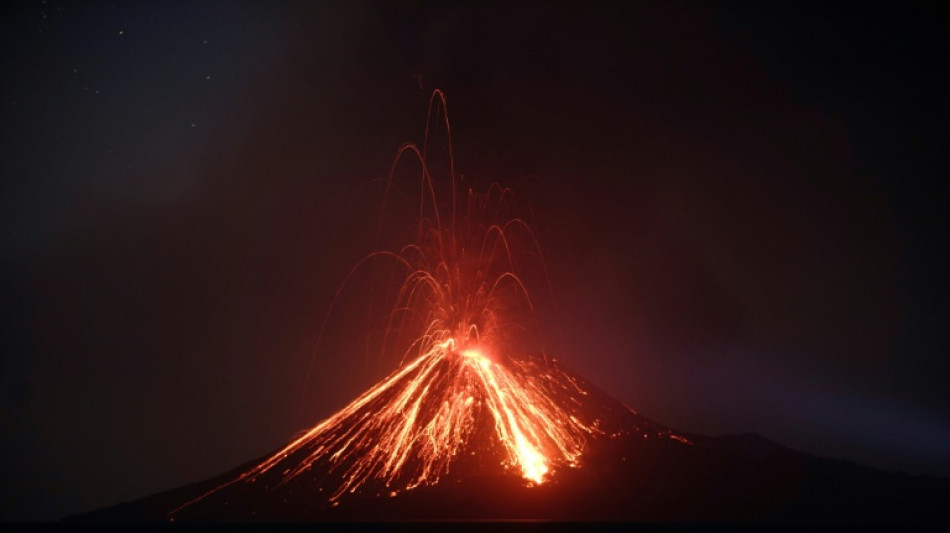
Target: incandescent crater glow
[{"x": 476, "y": 355}]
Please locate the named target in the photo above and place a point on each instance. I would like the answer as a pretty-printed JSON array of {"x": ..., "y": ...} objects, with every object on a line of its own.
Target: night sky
[{"x": 740, "y": 205}]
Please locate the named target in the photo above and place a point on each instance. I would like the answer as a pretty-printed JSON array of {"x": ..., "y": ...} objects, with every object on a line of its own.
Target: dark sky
[{"x": 740, "y": 206}]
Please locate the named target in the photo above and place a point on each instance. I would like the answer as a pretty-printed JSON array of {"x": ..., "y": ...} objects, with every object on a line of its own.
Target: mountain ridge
[{"x": 711, "y": 480}]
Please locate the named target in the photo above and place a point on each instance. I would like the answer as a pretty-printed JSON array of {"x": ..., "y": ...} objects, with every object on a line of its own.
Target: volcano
[
  {"x": 614, "y": 464},
  {"x": 447, "y": 419},
  {"x": 477, "y": 421}
]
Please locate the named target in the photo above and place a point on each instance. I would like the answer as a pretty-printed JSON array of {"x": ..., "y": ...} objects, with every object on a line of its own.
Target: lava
[
  {"x": 431, "y": 416},
  {"x": 462, "y": 320}
]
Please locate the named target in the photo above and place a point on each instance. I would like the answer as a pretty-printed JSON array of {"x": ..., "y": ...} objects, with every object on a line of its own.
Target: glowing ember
[{"x": 461, "y": 315}]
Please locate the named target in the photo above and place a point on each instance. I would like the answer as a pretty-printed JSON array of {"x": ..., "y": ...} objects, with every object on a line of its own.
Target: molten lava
[
  {"x": 474, "y": 386},
  {"x": 429, "y": 414}
]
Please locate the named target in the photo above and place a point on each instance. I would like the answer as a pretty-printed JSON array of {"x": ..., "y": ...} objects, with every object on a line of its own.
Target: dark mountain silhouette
[
  {"x": 631, "y": 469},
  {"x": 732, "y": 478}
]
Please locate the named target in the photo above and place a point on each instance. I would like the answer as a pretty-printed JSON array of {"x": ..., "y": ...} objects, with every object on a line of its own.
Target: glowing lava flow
[
  {"x": 430, "y": 411},
  {"x": 462, "y": 320}
]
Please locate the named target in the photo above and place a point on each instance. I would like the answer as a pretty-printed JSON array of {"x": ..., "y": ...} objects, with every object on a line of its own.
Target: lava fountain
[{"x": 474, "y": 386}]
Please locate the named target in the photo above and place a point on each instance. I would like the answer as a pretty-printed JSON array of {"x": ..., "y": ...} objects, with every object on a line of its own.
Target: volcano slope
[{"x": 441, "y": 440}]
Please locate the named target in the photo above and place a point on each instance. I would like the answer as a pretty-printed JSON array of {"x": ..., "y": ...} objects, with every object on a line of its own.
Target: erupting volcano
[
  {"x": 475, "y": 392},
  {"x": 479, "y": 421}
]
